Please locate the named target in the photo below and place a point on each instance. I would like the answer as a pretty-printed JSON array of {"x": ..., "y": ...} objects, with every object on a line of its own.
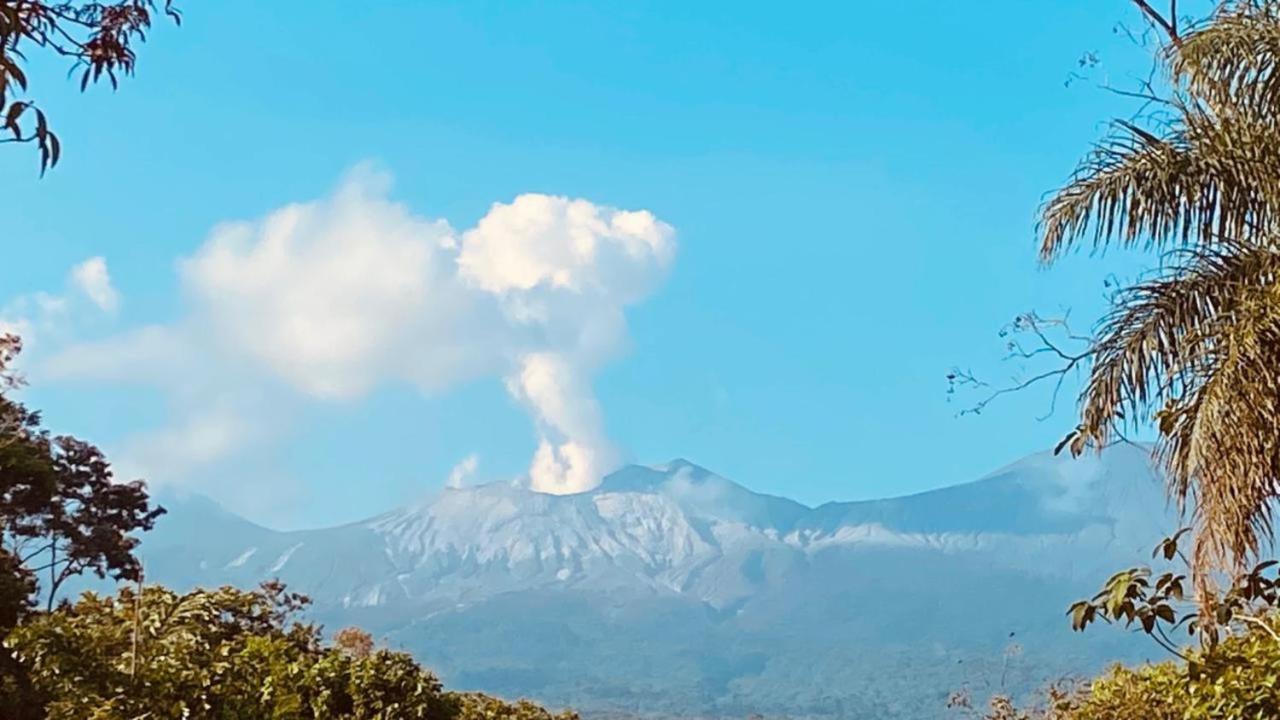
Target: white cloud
[
  {"x": 554, "y": 242},
  {"x": 327, "y": 300},
  {"x": 42, "y": 316},
  {"x": 152, "y": 354},
  {"x": 463, "y": 471},
  {"x": 92, "y": 279},
  {"x": 199, "y": 439},
  {"x": 337, "y": 295}
]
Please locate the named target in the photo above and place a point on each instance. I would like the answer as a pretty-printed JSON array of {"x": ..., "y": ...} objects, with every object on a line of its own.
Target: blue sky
[{"x": 848, "y": 192}]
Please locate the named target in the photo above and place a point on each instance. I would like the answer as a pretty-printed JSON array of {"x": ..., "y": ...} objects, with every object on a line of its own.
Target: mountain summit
[{"x": 670, "y": 590}]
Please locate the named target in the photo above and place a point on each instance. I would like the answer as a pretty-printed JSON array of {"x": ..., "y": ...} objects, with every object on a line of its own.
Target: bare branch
[
  {"x": 1051, "y": 337},
  {"x": 1168, "y": 25}
]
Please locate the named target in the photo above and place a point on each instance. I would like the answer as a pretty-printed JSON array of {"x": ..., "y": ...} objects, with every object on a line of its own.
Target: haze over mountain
[{"x": 669, "y": 590}]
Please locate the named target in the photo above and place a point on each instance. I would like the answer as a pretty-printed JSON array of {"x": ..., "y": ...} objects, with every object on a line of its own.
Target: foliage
[
  {"x": 354, "y": 642},
  {"x": 61, "y": 511},
  {"x": 224, "y": 653},
  {"x": 1234, "y": 673},
  {"x": 158, "y": 651},
  {"x": 475, "y": 706},
  {"x": 61, "y": 514},
  {"x": 1195, "y": 348},
  {"x": 1157, "y": 604},
  {"x": 98, "y": 39},
  {"x": 1238, "y": 678}
]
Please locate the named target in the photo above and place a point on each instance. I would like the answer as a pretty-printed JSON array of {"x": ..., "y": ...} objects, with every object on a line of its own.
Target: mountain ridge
[
  {"x": 671, "y": 590},
  {"x": 618, "y": 480}
]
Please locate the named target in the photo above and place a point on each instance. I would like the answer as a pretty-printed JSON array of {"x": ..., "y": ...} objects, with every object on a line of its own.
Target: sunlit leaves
[
  {"x": 227, "y": 653},
  {"x": 475, "y": 706}
]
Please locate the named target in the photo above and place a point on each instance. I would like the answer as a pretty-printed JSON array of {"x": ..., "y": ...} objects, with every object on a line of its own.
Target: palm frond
[
  {"x": 1231, "y": 62},
  {"x": 1206, "y": 178},
  {"x": 1202, "y": 346},
  {"x": 1221, "y": 442},
  {"x": 1161, "y": 335}
]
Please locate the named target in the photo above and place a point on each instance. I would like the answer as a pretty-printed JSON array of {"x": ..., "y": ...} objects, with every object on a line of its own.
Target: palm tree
[{"x": 1197, "y": 348}]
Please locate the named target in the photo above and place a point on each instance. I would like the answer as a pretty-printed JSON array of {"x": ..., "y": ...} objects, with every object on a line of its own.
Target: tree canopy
[
  {"x": 225, "y": 653},
  {"x": 62, "y": 513}
]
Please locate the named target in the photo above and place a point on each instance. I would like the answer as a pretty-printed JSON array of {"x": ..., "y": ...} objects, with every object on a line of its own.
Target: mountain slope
[{"x": 669, "y": 590}]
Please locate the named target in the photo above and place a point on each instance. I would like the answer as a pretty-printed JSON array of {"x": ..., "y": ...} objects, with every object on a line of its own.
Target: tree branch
[
  {"x": 1168, "y": 25},
  {"x": 42, "y": 549},
  {"x": 1038, "y": 327},
  {"x": 1164, "y": 642},
  {"x": 1259, "y": 623}
]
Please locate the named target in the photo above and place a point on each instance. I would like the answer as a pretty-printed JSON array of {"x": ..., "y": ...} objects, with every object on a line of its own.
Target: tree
[
  {"x": 476, "y": 706},
  {"x": 354, "y": 642},
  {"x": 226, "y": 653},
  {"x": 1196, "y": 348},
  {"x": 61, "y": 512},
  {"x": 96, "y": 37},
  {"x": 175, "y": 655}
]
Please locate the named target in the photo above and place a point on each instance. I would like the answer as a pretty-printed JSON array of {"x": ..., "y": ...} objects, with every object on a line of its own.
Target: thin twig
[{"x": 1039, "y": 328}]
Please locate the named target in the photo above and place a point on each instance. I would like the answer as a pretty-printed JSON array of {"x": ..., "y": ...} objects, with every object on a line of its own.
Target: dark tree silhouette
[
  {"x": 96, "y": 37},
  {"x": 61, "y": 512}
]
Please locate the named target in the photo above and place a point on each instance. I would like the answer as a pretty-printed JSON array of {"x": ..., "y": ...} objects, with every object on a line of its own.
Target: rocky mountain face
[{"x": 671, "y": 591}]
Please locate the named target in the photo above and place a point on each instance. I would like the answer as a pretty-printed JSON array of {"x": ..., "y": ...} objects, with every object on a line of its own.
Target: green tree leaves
[{"x": 225, "y": 653}]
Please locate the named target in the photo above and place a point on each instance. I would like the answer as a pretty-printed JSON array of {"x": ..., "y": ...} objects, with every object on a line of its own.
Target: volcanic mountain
[{"x": 671, "y": 591}]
